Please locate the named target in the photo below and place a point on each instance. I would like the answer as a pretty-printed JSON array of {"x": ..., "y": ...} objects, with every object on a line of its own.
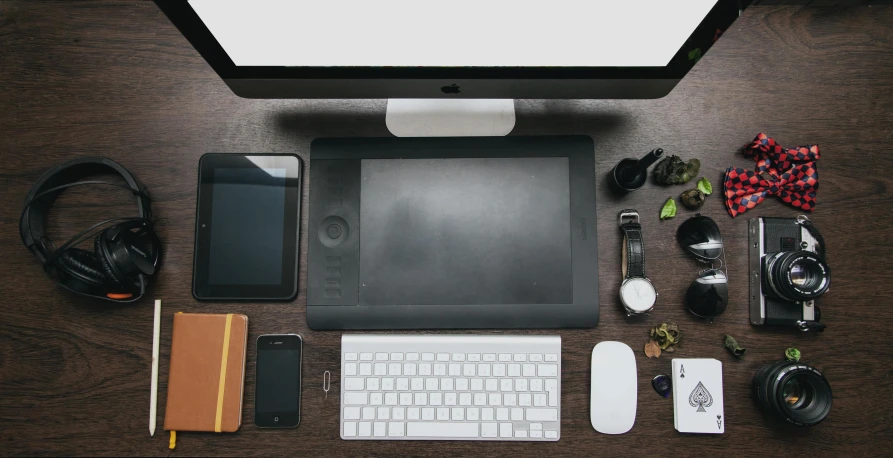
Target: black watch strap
[{"x": 633, "y": 257}]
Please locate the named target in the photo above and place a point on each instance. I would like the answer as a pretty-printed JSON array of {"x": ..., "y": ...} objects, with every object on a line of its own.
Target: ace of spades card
[{"x": 697, "y": 396}]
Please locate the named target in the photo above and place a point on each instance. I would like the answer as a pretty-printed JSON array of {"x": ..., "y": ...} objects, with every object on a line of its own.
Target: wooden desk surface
[{"x": 117, "y": 79}]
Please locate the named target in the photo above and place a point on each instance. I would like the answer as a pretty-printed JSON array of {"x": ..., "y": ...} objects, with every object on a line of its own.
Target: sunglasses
[{"x": 708, "y": 295}]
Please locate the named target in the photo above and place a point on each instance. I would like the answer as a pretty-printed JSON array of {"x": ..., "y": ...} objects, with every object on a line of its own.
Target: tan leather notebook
[{"x": 207, "y": 374}]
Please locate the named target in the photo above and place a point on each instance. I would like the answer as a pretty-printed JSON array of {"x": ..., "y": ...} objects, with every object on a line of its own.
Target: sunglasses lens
[
  {"x": 700, "y": 236},
  {"x": 708, "y": 295}
]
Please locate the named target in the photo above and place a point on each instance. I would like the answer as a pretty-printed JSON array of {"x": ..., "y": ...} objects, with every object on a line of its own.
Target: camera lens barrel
[
  {"x": 797, "y": 275},
  {"x": 794, "y": 392}
]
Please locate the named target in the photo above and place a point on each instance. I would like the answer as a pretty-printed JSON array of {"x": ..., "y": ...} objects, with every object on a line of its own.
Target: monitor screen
[
  {"x": 465, "y": 231},
  {"x": 456, "y": 33}
]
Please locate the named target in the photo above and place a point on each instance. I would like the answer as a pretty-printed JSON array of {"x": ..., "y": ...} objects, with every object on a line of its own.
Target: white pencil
[{"x": 153, "y": 400}]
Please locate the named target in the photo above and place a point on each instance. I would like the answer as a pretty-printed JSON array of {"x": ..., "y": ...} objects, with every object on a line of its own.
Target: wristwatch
[{"x": 636, "y": 292}]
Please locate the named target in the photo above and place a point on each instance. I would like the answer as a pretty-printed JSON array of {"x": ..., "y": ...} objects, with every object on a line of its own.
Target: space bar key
[{"x": 433, "y": 429}]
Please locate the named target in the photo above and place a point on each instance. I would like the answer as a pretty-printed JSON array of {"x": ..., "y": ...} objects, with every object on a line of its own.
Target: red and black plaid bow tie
[{"x": 789, "y": 173}]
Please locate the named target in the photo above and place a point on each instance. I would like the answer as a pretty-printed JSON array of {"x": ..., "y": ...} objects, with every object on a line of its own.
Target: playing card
[{"x": 697, "y": 396}]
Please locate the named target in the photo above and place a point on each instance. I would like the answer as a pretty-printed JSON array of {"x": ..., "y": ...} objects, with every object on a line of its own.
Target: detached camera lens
[
  {"x": 797, "y": 275},
  {"x": 794, "y": 392}
]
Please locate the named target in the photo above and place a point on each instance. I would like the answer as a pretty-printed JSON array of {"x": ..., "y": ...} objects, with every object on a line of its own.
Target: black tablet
[{"x": 246, "y": 227}]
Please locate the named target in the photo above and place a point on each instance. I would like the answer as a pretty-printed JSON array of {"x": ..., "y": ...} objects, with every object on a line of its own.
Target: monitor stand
[{"x": 450, "y": 117}]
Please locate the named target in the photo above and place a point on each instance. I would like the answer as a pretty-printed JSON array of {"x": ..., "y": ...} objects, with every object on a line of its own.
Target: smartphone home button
[{"x": 275, "y": 419}]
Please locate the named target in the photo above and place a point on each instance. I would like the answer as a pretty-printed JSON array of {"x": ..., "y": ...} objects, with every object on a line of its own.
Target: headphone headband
[{"x": 33, "y": 222}]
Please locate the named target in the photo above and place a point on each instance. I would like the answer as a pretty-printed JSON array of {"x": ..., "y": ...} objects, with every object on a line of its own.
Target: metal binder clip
[{"x": 326, "y": 382}]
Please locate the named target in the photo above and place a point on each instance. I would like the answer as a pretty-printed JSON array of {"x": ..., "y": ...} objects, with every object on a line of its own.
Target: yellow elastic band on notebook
[{"x": 221, "y": 388}]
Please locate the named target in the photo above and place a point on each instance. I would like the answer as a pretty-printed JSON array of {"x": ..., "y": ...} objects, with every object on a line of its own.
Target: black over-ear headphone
[{"x": 124, "y": 255}]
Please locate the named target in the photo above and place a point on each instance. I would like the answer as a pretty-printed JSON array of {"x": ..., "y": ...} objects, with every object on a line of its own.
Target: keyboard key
[
  {"x": 487, "y": 414},
  {"x": 488, "y": 429},
  {"x": 352, "y": 413},
  {"x": 446, "y": 430},
  {"x": 459, "y": 357},
  {"x": 376, "y": 399},
  {"x": 520, "y": 433},
  {"x": 387, "y": 384},
  {"x": 395, "y": 429},
  {"x": 455, "y": 370},
  {"x": 359, "y": 399},
  {"x": 499, "y": 370},
  {"x": 365, "y": 429},
  {"x": 350, "y": 369},
  {"x": 398, "y": 413},
  {"x": 378, "y": 428},
  {"x": 413, "y": 413},
  {"x": 396, "y": 356},
  {"x": 477, "y": 384},
  {"x": 535, "y": 357},
  {"x": 536, "y": 384},
  {"x": 406, "y": 399},
  {"x": 546, "y": 370},
  {"x": 372, "y": 383},
  {"x": 412, "y": 356},
  {"x": 528, "y": 370},
  {"x": 427, "y": 356},
  {"x": 443, "y": 356},
  {"x": 431, "y": 384},
  {"x": 458, "y": 413},
  {"x": 536, "y": 426},
  {"x": 505, "y": 430},
  {"x": 495, "y": 399},
  {"x": 542, "y": 414},
  {"x": 425, "y": 369},
  {"x": 461, "y": 384},
  {"x": 394, "y": 369},
  {"x": 505, "y": 357},
  {"x": 435, "y": 399},
  {"x": 365, "y": 356},
  {"x": 514, "y": 370},
  {"x": 524, "y": 400},
  {"x": 489, "y": 357},
  {"x": 480, "y": 399},
  {"x": 505, "y": 384},
  {"x": 551, "y": 358},
  {"x": 552, "y": 390},
  {"x": 502, "y": 414},
  {"x": 520, "y": 384},
  {"x": 417, "y": 383},
  {"x": 472, "y": 414},
  {"x": 551, "y": 434},
  {"x": 350, "y": 429},
  {"x": 491, "y": 384},
  {"x": 428, "y": 413},
  {"x": 384, "y": 413},
  {"x": 368, "y": 413},
  {"x": 350, "y": 356},
  {"x": 540, "y": 400},
  {"x": 381, "y": 369},
  {"x": 421, "y": 399},
  {"x": 474, "y": 357},
  {"x": 365, "y": 368},
  {"x": 409, "y": 369},
  {"x": 536, "y": 434},
  {"x": 468, "y": 370},
  {"x": 484, "y": 370},
  {"x": 402, "y": 384},
  {"x": 354, "y": 384},
  {"x": 464, "y": 399},
  {"x": 440, "y": 369},
  {"x": 510, "y": 399},
  {"x": 443, "y": 413},
  {"x": 520, "y": 357},
  {"x": 517, "y": 414},
  {"x": 381, "y": 356},
  {"x": 449, "y": 399}
]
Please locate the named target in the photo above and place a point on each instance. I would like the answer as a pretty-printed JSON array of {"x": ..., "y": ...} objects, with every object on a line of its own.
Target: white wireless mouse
[{"x": 612, "y": 407}]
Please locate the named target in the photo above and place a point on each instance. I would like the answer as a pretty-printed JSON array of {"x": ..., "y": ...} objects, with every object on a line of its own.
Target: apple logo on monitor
[{"x": 451, "y": 89}]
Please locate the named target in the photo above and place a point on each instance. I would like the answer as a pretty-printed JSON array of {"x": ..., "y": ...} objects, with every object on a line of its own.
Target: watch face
[{"x": 638, "y": 294}]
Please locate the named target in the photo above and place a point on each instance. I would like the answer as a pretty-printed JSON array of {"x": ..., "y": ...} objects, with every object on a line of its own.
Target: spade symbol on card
[
  {"x": 682, "y": 371},
  {"x": 719, "y": 422},
  {"x": 700, "y": 398}
]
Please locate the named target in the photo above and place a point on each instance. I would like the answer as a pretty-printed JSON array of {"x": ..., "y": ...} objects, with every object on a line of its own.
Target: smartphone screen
[{"x": 277, "y": 400}]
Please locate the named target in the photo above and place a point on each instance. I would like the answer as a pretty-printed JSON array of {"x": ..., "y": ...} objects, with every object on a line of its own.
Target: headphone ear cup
[
  {"x": 104, "y": 263},
  {"x": 84, "y": 266}
]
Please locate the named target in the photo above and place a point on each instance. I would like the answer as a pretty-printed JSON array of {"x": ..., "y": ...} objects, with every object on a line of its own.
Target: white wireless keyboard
[{"x": 450, "y": 387}]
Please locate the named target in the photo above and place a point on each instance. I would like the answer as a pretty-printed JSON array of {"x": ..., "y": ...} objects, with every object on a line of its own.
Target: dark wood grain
[{"x": 117, "y": 79}]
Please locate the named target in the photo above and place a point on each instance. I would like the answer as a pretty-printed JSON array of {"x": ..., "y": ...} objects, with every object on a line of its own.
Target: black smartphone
[{"x": 277, "y": 396}]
